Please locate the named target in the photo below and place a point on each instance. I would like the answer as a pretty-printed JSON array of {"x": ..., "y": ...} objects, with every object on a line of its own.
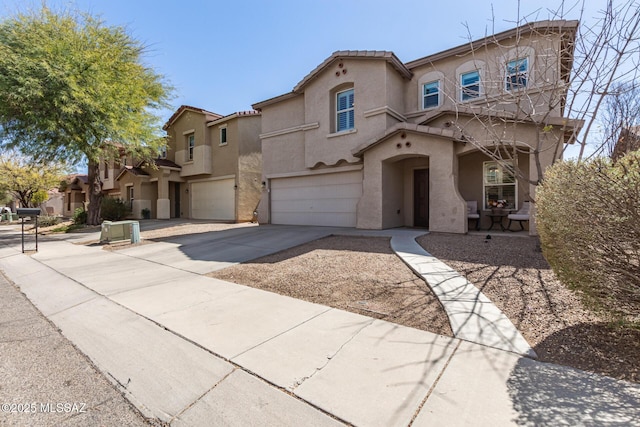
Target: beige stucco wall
[
  {"x": 544, "y": 71},
  {"x": 286, "y": 114},
  {"x": 249, "y": 167},
  {"x": 447, "y": 208},
  {"x": 224, "y": 157},
  {"x": 375, "y": 86},
  {"x": 190, "y": 122}
]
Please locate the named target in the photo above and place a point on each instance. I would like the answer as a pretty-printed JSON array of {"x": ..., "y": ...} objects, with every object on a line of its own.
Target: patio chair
[
  {"x": 472, "y": 212},
  {"x": 520, "y": 216}
]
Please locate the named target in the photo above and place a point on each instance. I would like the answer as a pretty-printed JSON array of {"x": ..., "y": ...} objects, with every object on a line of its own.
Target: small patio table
[{"x": 497, "y": 217}]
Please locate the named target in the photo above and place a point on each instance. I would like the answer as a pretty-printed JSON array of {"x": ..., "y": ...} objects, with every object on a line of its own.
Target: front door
[
  {"x": 176, "y": 199},
  {"x": 421, "y": 198}
]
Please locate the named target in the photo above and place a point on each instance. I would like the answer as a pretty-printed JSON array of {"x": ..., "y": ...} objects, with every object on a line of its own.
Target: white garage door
[
  {"x": 328, "y": 199},
  {"x": 213, "y": 200}
]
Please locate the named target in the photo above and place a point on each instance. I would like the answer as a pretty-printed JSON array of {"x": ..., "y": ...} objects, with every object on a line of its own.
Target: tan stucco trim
[
  {"x": 217, "y": 178},
  {"x": 390, "y": 57},
  {"x": 315, "y": 172},
  {"x": 404, "y": 126},
  {"x": 342, "y": 133},
  {"x": 189, "y": 132},
  {"x": 294, "y": 129},
  {"x": 385, "y": 110}
]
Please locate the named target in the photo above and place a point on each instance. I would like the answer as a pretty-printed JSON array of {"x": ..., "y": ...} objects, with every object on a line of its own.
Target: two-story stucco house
[
  {"x": 210, "y": 169},
  {"x": 368, "y": 141},
  {"x": 75, "y": 194}
]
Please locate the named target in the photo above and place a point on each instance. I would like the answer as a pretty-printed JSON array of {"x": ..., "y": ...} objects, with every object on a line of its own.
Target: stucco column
[
  {"x": 369, "y": 210},
  {"x": 163, "y": 205},
  {"x": 447, "y": 208}
]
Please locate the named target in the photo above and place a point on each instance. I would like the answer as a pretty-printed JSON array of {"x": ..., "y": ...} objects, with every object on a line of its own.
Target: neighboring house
[
  {"x": 54, "y": 205},
  {"x": 628, "y": 141},
  {"x": 209, "y": 169},
  {"x": 367, "y": 141},
  {"x": 75, "y": 194}
]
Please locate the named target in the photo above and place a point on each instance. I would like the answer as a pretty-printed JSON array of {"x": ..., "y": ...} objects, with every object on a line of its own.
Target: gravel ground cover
[
  {"x": 357, "y": 274},
  {"x": 512, "y": 272}
]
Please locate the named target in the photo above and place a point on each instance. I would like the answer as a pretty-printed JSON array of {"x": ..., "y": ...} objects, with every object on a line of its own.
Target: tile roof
[
  {"x": 166, "y": 163},
  {"x": 184, "y": 108},
  {"x": 234, "y": 115},
  {"x": 136, "y": 171}
]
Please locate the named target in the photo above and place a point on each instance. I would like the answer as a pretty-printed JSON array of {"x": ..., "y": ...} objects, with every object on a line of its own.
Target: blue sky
[{"x": 224, "y": 56}]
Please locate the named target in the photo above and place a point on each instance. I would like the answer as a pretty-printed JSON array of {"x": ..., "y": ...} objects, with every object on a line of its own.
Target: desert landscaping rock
[
  {"x": 513, "y": 273},
  {"x": 357, "y": 274}
]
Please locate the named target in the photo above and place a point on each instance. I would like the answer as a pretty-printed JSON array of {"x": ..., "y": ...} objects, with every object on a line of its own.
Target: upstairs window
[
  {"x": 470, "y": 85},
  {"x": 344, "y": 110},
  {"x": 223, "y": 136},
  {"x": 431, "y": 95},
  {"x": 162, "y": 152},
  {"x": 131, "y": 197},
  {"x": 191, "y": 143},
  {"x": 106, "y": 170},
  {"x": 517, "y": 74}
]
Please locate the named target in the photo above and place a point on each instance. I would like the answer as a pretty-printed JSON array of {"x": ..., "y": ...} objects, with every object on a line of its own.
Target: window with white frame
[
  {"x": 131, "y": 197},
  {"x": 499, "y": 185},
  {"x": 470, "y": 85},
  {"x": 517, "y": 74},
  {"x": 191, "y": 143},
  {"x": 431, "y": 94},
  {"x": 162, "y": 152},
  {"x": 344, "y": 110},
  {"x": 223, "y": 135}
]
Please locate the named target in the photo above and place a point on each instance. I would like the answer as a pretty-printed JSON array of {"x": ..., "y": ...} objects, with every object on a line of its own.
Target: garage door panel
[
  {"x": 328, "y": 200},
  {"x": 317, "y": 206},
  {"x": 213, "y": 200}
]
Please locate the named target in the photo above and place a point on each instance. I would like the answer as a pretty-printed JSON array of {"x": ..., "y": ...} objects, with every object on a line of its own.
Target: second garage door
[
  {"x": 328, "y": 199},
  {"x": 213, "y": 200}
]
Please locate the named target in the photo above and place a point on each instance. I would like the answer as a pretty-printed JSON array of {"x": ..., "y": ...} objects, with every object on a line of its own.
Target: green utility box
[
  {"x": 9, "y": 216},
  {"x": 116, "y": 231}
]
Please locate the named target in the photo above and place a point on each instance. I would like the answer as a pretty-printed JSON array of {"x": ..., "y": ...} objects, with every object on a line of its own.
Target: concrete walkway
[{"x": 192, "y": 350}]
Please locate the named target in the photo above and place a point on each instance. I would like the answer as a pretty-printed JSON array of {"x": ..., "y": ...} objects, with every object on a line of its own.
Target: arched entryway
[{"x": 410, "y": 180}]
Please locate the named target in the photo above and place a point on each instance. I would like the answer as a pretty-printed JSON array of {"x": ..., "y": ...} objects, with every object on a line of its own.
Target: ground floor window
[{"x": 499, "y": 185}]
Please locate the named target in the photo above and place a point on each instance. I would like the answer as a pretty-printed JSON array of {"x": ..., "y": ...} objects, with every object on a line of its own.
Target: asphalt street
[{"x": 45, "y": 380}]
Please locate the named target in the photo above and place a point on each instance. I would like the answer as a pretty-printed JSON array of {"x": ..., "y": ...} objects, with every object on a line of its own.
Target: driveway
[{"x": 210, "y": 251}]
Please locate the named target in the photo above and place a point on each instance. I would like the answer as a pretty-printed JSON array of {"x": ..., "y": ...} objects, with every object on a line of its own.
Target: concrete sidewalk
[{"x": 192, "y": 350}]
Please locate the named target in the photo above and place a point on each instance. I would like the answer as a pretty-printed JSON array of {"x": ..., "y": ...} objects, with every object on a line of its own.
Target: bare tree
[{"x": 620, "y": 120}]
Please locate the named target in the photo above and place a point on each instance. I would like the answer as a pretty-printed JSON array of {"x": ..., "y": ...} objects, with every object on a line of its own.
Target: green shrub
[
  {"x": 588, "y": 217},
  {"x": 48, "y": 220},
  {"x": 80, "y": 216},
  {"x": 114, "y": 209}
]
